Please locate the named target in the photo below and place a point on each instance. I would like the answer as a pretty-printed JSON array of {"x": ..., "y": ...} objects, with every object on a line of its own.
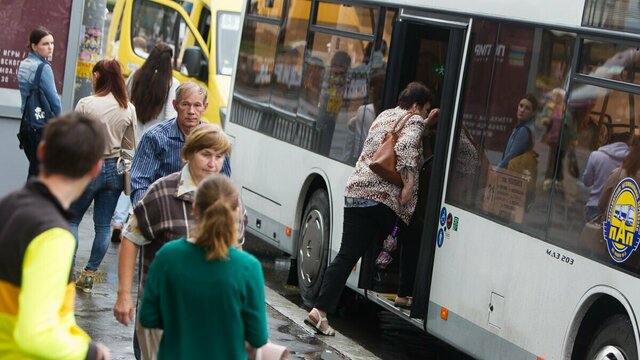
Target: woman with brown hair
[
  {"x": 202, "y": 291},
  {"x": 152, "y": 88},
  {"x": 372, "y": 204},
  {"x": 109, "y": 104}
]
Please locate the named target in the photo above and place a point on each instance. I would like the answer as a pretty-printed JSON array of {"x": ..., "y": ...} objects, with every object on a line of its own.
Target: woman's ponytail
[{"x": 217, "y": 201}]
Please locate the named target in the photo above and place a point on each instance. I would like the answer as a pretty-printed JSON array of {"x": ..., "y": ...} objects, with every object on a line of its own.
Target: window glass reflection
[
  {"x": 610, "y": 61},
  {"x": 267, "y": 8},
  {"x": 335, "y": 86},
  {"x": 255, "y": 61},
  {"x": 290, "y": 58},
  {"x": 507, "y": 144},
  {"x": 348, "y": 18}
]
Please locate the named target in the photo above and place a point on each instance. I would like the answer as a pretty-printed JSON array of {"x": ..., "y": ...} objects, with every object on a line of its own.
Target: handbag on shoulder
[{"x": 383, "y": 163}]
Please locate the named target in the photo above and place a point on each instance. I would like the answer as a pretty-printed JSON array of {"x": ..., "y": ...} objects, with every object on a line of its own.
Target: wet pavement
[{"x": 94, "y": 313}]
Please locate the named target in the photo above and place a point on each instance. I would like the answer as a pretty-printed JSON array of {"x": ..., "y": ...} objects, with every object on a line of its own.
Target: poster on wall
[{"x": 18, "y": 18}]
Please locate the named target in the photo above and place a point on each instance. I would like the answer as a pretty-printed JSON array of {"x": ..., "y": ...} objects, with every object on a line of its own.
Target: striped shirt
[{"x": 158, "y": 155}]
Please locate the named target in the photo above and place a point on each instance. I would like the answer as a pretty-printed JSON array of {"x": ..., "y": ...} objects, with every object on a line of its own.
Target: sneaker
[
  {"x": 85, "y": 281},
  {"x": 115, "y": 235}
]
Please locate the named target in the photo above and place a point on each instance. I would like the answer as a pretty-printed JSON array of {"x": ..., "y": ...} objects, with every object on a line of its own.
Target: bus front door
[{"x": 420, "y": 51}]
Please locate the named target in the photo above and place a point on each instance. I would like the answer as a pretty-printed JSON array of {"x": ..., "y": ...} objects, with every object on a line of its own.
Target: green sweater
[{"x": 206, "y": 308}]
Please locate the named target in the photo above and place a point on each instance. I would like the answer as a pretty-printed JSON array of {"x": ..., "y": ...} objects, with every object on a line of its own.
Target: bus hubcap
[
  {"x": 609, "y": 353},
  {"x": 310, "y": 252}
]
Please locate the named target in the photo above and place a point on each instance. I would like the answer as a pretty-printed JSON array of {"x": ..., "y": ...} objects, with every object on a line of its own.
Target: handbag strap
[{"x": 402, "y": 121}]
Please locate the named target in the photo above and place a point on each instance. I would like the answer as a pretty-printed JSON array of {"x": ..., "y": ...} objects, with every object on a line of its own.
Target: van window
[
  {"x": 154, "y": 23},
  {"x": 226, "y": 44}
]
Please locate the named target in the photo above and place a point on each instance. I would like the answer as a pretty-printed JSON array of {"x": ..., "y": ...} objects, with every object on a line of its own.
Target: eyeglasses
[{"x": 186, "y": 105}]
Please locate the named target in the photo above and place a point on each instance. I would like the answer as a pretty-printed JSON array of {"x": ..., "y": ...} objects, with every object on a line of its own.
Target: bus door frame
[{"x": 458, "y": 28}]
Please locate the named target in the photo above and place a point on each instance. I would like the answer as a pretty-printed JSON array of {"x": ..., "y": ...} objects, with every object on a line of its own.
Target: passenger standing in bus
[
  {"x": 216, "y": 301},
  {"x": 630, "y": 168},
  {"x": 372, "y": 204},
  {"x": 521, "y": 138},
  {"x": 599, "y": 166},
  {"x": 109, "y": 104},
  {"x": 164, "y": 214},
  {"x": 152, "y": 90},
  {"x": 40, "y": 51}
]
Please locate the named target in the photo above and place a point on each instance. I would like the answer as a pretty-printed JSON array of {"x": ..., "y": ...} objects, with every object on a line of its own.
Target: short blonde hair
[{"x": 205, "y": 136}]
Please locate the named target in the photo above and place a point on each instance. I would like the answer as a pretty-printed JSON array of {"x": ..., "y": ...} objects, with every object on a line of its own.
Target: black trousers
[{"x": 361, "y": 228}]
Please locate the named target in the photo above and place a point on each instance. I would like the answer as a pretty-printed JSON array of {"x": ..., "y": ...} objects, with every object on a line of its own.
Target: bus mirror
[{"x": 192, "y": 61}]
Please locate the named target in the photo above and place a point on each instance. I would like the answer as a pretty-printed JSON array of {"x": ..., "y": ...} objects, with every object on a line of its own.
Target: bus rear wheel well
[{"x": 602, "y": 309}]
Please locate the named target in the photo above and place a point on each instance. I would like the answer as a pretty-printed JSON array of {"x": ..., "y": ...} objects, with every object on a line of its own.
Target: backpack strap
[{"x": 36, "y": 79}]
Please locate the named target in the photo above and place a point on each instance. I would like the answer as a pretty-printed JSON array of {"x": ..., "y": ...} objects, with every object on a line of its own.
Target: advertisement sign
[{"x": 18, "y": 18}]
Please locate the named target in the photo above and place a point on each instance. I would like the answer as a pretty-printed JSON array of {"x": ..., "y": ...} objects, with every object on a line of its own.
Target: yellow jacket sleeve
[{"x": 46, "y": 326}]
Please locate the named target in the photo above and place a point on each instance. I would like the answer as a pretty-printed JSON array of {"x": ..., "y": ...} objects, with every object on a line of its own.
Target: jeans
[
  {"x": 103, "y": 191},
  {"x": 122, "y": 211},
  {"x": 362, "y": 227}
]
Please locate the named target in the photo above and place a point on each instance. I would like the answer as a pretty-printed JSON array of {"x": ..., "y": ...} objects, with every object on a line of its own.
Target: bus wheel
[
  {"x": 313, "y": 245},
  {"x": 614, "y": 340}
]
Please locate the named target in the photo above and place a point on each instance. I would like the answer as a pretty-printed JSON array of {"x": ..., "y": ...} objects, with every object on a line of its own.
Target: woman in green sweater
[{"x": 207, "y": 295}]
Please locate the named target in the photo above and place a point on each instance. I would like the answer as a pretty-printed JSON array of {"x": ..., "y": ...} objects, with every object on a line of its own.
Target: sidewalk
[{"x": 94, "y": 313}]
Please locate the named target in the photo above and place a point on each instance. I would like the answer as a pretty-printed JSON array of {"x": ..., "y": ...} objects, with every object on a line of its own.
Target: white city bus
[{"x": 505, "y": 269}]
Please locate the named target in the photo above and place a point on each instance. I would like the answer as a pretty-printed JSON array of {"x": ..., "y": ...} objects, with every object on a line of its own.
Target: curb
[{"x": 341, "y": 344}]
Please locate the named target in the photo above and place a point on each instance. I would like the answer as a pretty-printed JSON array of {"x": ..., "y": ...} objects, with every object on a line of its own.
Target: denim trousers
[
  {"x": 362, "y": 227},
  {"x": 103, "y": 191},
  {"x": 122, "y": 211}
]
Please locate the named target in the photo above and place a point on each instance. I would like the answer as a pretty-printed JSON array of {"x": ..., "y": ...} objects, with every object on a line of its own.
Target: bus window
[
  {"x": 610, "y": 61},
  {"x": 204, "y": 25},
  {"x": 335, "y": 85},
  {"x": 153, "y": 23},
  {"x": 361, "y": 20},
  {"x": 290, "y": 58},
  {"x": 255, "y": 61},
  {"x": 507, "y": 62},
  {"x": 266, "y": 8}
]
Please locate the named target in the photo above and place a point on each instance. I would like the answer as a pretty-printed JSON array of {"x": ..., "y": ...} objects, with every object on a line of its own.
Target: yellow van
[{"x": 203, "y": 33}]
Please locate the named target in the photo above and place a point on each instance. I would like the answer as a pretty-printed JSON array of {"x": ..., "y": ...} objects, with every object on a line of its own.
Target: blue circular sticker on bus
[
  {"x": 622, "y": 222},
  {"x": 443, "y": 216},
  {"x": 440, "y": 237}
]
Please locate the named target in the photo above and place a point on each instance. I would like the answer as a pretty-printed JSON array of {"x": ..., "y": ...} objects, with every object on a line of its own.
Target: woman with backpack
[{"x": 40, "y": 52}]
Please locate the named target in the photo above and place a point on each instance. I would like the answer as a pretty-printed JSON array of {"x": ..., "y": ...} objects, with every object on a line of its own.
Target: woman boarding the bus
[{"x": 372, "y": 204}]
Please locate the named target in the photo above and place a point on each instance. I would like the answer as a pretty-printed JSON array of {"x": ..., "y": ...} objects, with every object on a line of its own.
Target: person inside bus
[
  {"x": 630, "y": 168},
  {"x": 521, "y": 138},
  {"x": 373, "y": 204},
  {"x": 332, "y": 99},
  {"x": 361, "y": 122},
  {"x": 599, "y": 166},
  {"x": 518, "y": 156}
]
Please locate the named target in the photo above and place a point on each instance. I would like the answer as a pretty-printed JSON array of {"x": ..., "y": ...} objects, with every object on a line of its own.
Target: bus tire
[
  {"x": 313, "y": 246},
  {"x": 614, "y": 340}
]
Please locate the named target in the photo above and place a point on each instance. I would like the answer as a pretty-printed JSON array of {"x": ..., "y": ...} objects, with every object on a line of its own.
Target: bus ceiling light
[
  {"x": 287, "y": 231},
  {"x": 444, "y": 313}
]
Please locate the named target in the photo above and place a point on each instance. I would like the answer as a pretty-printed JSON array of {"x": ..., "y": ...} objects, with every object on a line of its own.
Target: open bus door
[{"x": 427, "y": 49}]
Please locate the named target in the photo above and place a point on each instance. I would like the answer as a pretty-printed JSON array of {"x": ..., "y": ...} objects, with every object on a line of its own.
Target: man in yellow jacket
[{"x": 36, "y": 247}]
